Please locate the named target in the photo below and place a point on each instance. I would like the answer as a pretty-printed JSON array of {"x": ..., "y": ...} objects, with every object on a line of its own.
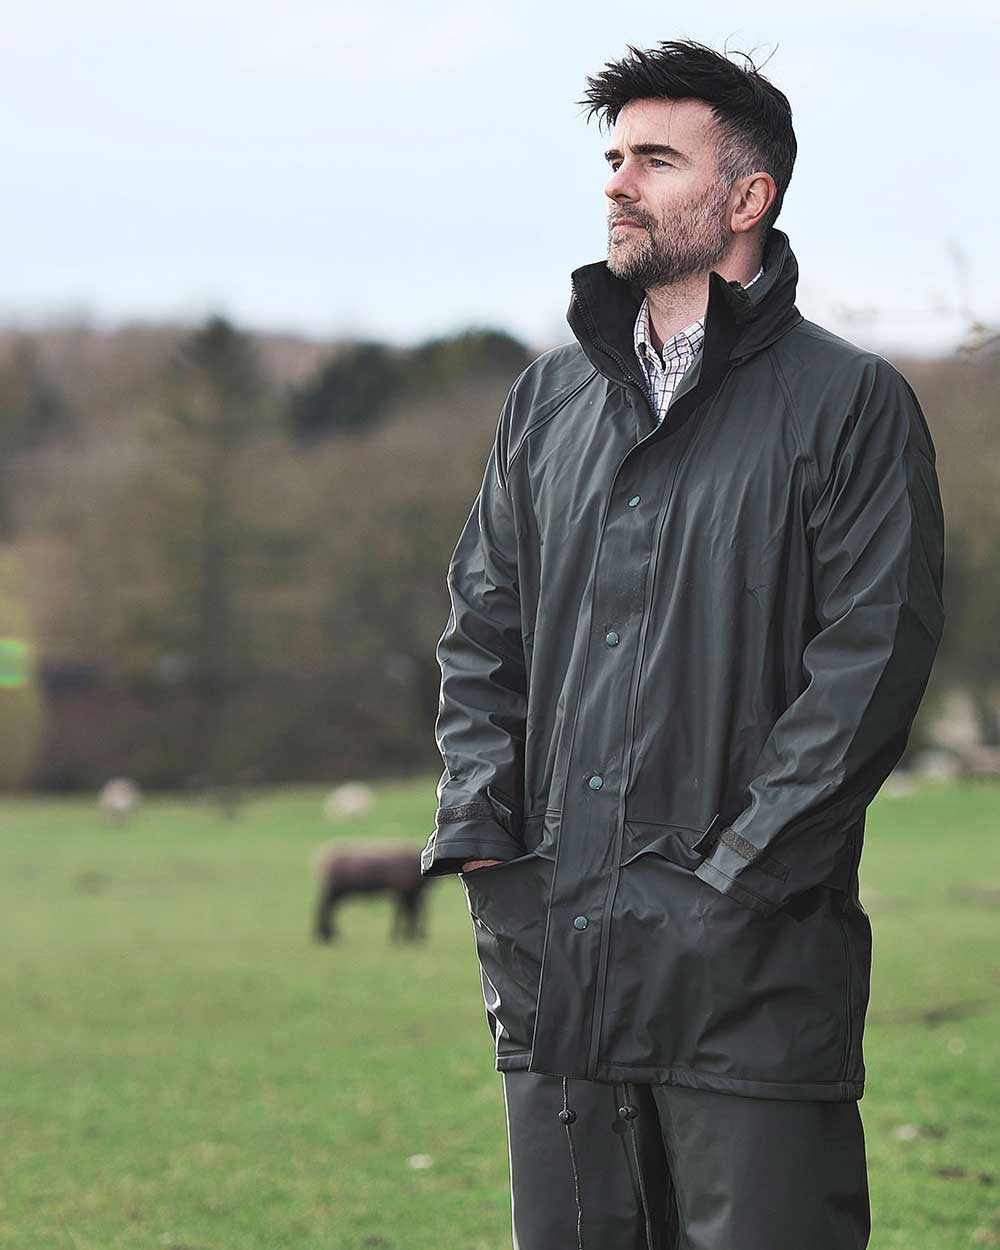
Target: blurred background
[{"x": 269, "y": 274}]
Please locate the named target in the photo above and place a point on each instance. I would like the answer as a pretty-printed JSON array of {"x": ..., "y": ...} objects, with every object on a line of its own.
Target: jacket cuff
[
  {"x": 721, "y": 881},
  {"x": 449, "y": 847},
  {"x": 757, "y": 878},
  {"x": 740, "y": 870}
]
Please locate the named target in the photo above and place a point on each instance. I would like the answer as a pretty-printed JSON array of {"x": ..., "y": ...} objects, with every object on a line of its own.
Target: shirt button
[
  {"x": 596, "y": 782},
  {"x": 633, "y": 501},
  {"x": 580, "y": 922},
  {"x": 611, "y": 638}
]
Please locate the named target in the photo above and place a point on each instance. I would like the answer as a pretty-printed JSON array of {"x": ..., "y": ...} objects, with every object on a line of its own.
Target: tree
[
  {"x": 32, "y": 411},
  {"x": 348, "y": 394},
  {"x": 217, "y": 408}
]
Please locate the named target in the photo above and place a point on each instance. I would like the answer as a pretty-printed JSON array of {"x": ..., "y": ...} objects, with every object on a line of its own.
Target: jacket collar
[{"x": 739, "y": 321}]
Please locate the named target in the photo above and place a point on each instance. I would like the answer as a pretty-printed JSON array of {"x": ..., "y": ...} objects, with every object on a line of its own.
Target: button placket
[{"x": 590, "y": 824}]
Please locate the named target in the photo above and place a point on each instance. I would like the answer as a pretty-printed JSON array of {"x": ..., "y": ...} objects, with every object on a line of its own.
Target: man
[{"x": 694, "y": 609}]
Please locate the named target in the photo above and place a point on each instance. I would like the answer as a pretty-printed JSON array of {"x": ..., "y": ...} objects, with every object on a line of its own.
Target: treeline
[
  {"x": 227, "y": 551},
  {"x": 232, "y": 548}
]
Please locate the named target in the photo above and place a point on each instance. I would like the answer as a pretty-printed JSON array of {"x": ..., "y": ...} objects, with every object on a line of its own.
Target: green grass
[{"x": 181, "y": 1068}]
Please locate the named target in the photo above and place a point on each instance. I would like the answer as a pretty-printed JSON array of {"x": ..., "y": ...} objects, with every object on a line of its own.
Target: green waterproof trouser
[{"x": 596, "y": 1166}]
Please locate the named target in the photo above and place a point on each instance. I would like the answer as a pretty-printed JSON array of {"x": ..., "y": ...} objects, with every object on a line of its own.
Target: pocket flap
[
  {"x": 682, "y": 844},
  {"x": 505, "y": 811}
]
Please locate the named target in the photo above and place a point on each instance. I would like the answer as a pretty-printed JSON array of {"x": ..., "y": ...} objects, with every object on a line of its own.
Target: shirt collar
[{"x": 685, "y": 342}]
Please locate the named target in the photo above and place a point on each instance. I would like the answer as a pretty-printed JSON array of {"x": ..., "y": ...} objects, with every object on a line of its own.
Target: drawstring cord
[
  {"x": 627, "y": 1111},
  {"x": 567, "y": 1116}
]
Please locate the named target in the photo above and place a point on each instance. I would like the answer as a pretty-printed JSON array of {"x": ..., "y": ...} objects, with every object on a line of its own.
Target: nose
[{"x": 620, "y": 187}]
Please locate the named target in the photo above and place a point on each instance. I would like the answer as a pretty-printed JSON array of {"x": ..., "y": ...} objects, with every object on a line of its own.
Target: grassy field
[{"x": 181, "y": 1068}]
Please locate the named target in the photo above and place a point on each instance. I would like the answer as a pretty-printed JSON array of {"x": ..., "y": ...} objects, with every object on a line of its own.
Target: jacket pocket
[
  {"x": 508, "y": 903},
  {"x": 530, "y": 837},
  {"x": 504, "y": 863},
  {"x": 681, "y": 844}
]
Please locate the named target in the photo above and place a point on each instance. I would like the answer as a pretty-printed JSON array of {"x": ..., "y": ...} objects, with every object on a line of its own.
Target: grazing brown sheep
[{"x": 372, "y": 868}]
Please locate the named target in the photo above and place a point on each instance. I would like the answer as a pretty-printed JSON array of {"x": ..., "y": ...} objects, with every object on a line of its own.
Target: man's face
[{"x": 674, "y": 197}]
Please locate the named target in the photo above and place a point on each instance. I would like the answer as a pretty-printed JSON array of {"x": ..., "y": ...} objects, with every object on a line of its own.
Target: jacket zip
[{"x": 636, "y": 382}]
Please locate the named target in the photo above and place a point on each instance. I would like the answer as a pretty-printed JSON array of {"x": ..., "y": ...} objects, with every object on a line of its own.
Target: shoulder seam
[
  {"x": 574, "y": 391},
  {"x": 806, "y": 451}
]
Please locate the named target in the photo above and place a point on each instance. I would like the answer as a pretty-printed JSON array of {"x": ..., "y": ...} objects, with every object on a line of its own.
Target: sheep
[
  {"x": 371, "y": 868},
  {"x": 119, "y": 797},
  {"x": 353, "y": 798}
]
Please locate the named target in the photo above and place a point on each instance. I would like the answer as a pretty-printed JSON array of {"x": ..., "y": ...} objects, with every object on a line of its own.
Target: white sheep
[
  {"x": 119, "y": 798},
  {"x": 353, "y": 798}
]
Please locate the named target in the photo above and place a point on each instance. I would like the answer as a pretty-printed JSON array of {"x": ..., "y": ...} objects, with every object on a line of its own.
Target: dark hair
[{"x": 753, "y": 118}]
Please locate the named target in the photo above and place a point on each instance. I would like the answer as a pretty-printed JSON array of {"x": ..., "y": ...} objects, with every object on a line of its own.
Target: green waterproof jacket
[{"x": 679, "y": 663}]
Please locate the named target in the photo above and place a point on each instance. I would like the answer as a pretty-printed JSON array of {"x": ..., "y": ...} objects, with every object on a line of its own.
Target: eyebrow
[{"x": 649, "y": 149}]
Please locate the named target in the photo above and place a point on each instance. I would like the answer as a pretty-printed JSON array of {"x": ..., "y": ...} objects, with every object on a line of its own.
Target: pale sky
[{"x": 399, "y": 171}]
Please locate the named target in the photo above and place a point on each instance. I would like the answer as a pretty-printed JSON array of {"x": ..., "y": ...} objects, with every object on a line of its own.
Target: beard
[{"x": 694, "y": 238}]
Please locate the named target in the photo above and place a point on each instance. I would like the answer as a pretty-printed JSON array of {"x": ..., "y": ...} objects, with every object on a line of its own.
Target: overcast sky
[{"x": 406, "y": 170}]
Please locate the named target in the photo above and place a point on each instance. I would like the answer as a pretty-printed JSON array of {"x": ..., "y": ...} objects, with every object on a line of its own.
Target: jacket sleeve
[
  {"x": 482, "y": 708},
  {"x": 876, "y": 533}
]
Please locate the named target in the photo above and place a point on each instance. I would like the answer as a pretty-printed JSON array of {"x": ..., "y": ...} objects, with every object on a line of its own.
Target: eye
[{"x": 613, "y": 165}]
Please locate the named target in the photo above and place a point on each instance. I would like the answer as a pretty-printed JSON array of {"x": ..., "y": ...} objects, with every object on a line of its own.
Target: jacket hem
[{"x": 819, "y": 1091}]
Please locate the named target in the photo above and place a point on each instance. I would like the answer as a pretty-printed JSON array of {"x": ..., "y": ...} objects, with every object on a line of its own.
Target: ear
[{"x": 755, "y": 195}]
